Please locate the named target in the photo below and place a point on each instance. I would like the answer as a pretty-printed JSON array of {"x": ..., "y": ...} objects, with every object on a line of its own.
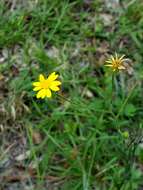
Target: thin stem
[
  {"x": 113, "y": 76},
  {"x": 125, "y": 101},
  {"x": 67, "y": 100},
  {"x": 113, "y": 89}
]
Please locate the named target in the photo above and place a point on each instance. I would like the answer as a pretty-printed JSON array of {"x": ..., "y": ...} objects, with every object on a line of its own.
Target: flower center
[
  {"x": 45, "y": 84},
  {"x": 117, "y": 63}
]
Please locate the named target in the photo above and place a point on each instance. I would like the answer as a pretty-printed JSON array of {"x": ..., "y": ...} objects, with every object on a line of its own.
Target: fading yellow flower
[
  {"x": 46, "y": 85},
  {"x": 116, "y": 63}
]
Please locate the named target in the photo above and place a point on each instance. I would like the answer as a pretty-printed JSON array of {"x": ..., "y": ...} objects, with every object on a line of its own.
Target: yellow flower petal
[
  {"x": 121, "y": 67},
  {"x": 41, "y": 78},
  {"x": 36, "y": 83},
  {"x": 56, "y": 83},
  {"x": 109, "y": 65},
  {"x": 48, "y": 93},
  {"x": 41, "y": 93},
  {"x": 36, "y": 88},
  {"x": 116, "y": 56},
  {"x": 109, "y": 61},
  {"x": 54, "y": 88},
  {"x": 52, "y": 76},
  {"x": 121, "y": 58},
  {"x": 112, "y": 58}
]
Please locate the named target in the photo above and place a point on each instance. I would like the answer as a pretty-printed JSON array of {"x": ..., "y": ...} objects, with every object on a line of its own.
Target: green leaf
[{"x": 130, "y": 110}]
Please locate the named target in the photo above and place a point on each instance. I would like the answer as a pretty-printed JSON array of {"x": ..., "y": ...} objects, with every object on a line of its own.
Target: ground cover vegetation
[{"x": 88, "y": 135}]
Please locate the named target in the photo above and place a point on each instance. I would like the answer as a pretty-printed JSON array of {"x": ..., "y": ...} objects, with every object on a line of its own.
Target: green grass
[{"x": 82, "y": 142}]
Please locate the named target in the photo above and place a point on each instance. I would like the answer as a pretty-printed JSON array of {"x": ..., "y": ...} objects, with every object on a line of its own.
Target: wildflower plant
[{"x": 116, "y": 63}]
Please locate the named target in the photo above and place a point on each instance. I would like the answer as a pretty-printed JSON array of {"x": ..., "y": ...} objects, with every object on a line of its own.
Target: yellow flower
[
  {"x": 116, "y": 63},
  {"x": 46, "y": 85}
]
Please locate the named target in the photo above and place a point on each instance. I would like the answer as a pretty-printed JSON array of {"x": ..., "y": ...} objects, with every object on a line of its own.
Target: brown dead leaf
[
  {"x": 129, "y": 66},
  {"x": 37, "y": 137},
  {"x": 102, "y": 60},
  {"x": 107, "y": 19},
  {"x": 88, "y": 93},
  {"x": 74, "y": 153},
  {"x": 112, "y": 4},
  {"x": 13, "y": 112},
  {"x": 1, "y": 77},
  {"x": 23, "y": 156},
  {"x": 103, "y": 48}
]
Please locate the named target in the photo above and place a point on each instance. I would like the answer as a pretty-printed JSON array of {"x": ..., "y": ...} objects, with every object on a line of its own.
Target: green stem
[
  {"x": 125, "y": 101},
  {"x": 113, "y": 89}
]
